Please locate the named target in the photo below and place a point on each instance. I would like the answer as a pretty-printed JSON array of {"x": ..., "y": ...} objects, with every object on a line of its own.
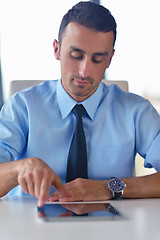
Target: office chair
[{"x": 18, "y": 85}]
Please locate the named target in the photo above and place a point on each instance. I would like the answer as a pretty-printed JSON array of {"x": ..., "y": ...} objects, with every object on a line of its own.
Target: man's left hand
[{"x": 84, "y": 190}]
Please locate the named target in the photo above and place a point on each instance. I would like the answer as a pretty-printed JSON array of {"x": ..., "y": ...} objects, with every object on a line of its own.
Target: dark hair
[{"x": 90, "y": 15}]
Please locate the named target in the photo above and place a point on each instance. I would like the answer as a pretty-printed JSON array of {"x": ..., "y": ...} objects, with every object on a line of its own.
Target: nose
[{"x": 85, "y": 68}]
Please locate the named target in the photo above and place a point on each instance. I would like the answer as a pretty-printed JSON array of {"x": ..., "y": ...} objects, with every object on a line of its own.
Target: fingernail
[
  {"x": 40, "y": 203},
  {"x": 50, "y": 199},
  {"x": 63, "y": 200}
]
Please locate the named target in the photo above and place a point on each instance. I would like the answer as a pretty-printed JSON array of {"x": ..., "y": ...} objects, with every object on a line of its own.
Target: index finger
[
  {"x": 45, "y": 188},
  {"x": 44, "y": 192}
]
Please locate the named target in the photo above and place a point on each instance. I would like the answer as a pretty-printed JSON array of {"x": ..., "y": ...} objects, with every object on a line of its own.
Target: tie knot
[{"x": 78, "y": 110}]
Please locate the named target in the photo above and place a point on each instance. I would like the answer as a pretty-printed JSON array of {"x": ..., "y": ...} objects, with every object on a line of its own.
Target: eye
[
  {"x": 98, "y": 58},
  {"x": 76, "y": 55}
]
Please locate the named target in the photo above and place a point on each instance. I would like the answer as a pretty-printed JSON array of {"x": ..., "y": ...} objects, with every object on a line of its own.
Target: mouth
[{"x": 80, "y": 82}]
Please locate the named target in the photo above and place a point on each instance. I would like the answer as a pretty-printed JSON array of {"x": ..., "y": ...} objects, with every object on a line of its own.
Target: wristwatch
[{"x": 117, "y": 187}]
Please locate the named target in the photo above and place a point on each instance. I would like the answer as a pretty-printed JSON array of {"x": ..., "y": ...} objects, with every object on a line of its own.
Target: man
[{"x": 37, "y": 124}]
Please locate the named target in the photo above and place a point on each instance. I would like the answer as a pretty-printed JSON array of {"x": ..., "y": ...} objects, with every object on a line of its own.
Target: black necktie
[{"x": 77, "y": 158}]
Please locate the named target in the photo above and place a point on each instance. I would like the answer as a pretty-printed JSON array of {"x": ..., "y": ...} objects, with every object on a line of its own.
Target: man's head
[
  {"x": 90, "y": 15},
  {"x": 85, "y": 48}
]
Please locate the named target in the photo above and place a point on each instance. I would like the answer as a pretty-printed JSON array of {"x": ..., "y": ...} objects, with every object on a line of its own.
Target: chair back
[
  {"x": 18, "y": 85},
  {"x": 122, "y": 84}
]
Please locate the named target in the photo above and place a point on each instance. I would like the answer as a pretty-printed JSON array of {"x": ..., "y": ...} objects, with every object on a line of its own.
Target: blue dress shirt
[{"x": 38, "y": 122}]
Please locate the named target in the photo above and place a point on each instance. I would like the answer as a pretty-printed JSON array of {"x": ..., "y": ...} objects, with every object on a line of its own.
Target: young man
[{"x": 37, "y": 124}]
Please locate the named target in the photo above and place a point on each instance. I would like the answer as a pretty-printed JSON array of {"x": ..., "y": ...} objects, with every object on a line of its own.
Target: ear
[
  {"x": 112, "y": 54},
  {"x": 56, "y": 49}
]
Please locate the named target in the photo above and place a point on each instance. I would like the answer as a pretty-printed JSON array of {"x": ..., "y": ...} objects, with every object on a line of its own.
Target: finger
[
  {"x": 44, "y": 192},
  {"x": 75, "y": 193},
  {"x": 30, "y": 185},
  {"x": 37, "y": 185},
  {"x": 54, "y": 197},
  {"x": 60, "y": 187},
  {"x": 61, "y": 192},
  {"x": 70, "y": 199},
  {"x": 73, "y": 196},
  {"x": 23, "y": 184}
]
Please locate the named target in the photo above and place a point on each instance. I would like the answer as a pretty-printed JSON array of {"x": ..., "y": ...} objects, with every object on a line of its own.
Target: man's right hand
[{"x": 36, "y": 178}]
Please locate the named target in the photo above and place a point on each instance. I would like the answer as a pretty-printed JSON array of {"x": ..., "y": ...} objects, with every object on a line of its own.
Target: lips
[{"x": 81, "y": 82}]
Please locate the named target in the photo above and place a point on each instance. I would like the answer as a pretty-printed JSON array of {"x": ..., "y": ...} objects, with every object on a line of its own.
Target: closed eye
[
  {"x": 76, "y": 54},
  {"x": 99, "y": 57}
]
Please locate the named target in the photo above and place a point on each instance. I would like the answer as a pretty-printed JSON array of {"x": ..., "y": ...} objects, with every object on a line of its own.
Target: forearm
[
  {"x": 96, "y": 190},
  {"x": 142, "y": 187},
  {"x": 8, "y": 176}
]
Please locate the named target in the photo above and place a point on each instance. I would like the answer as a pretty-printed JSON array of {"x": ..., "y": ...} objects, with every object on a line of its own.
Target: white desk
[{"x": 19, "y": 221}]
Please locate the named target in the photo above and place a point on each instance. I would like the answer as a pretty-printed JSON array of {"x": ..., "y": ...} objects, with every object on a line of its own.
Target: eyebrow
[
  {"x": 77, "y": 49},
  {"x": 82, "y": 51},
  {"x": 101, "y": 54}
]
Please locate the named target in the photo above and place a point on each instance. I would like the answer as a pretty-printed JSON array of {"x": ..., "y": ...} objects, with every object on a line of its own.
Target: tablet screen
[{"x": 78, "y": 211}]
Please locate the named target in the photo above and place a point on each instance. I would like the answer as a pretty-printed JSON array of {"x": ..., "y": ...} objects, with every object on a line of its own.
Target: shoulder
[
  {"x": 32, "y": 96},
  {"x": 119, "y": 101},
  {"x": 44, "y": 88},
  {"x": 40, "y": 91},
  {"x": 116, "y": 95}
]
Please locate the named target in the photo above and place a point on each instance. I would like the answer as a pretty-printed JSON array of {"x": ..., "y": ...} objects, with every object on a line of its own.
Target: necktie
[{"x": 77, "y": 158}]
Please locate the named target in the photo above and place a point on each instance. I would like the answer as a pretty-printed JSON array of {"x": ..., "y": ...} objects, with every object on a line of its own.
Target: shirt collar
[{"x": 66, "y": 102}]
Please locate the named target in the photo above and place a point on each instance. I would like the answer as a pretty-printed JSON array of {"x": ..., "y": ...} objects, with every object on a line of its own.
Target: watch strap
[{"x": 116, "y": 195}]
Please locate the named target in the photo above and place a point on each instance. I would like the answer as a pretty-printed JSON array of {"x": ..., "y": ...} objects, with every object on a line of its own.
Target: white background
[{"x": 28, "y": 28}]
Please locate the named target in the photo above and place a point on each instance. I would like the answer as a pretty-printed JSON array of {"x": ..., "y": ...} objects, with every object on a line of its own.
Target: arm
[
  {"x": 34, "y": 176},
  {"x": 92, "y": 190},
  {"x": 8, "y": 176},
  {"x": 143, "y": 187}
]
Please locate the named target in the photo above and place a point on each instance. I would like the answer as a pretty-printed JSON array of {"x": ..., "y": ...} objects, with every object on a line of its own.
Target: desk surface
[{"x": 19, "y": 221}]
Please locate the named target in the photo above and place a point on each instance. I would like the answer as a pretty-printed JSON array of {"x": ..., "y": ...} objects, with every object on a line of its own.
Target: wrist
[{"x": 109, "y": 193}]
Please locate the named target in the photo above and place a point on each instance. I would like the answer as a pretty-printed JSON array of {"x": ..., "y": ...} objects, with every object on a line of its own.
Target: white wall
[
  {"x": 28, "y": 28},
  {"x": 138, "y": 45}
]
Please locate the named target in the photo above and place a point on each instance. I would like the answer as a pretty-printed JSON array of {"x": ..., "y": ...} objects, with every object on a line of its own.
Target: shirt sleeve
[
  {"x": 148, "y": 135},
  {"x": 13, "y": 129}
]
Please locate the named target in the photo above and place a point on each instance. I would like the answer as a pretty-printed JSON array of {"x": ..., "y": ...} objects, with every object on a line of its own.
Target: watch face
[{"x": 116, "y": 185}]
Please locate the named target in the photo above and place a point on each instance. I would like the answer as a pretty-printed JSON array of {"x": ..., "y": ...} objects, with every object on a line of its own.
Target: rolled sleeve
[
  {"x": 153, "y": 155},
  {"x": 13, "y": 130},
  {"x": 148, "y": 135}
]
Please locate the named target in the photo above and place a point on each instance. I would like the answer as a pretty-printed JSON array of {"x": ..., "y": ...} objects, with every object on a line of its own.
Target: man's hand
[
  {"x": 36, "y": 178},
  {"x": 84, "y": 190}
]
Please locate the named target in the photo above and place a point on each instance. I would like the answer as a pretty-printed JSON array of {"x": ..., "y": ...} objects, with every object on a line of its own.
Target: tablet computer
[{"x": 80, "y": 211}]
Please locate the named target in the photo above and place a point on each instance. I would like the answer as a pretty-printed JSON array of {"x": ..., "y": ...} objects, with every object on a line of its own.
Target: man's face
[{"x": 84, "y": 56}]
